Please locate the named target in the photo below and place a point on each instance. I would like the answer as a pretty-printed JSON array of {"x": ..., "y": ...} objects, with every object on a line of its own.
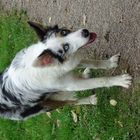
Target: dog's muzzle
[{"x": 91, "y": 35}]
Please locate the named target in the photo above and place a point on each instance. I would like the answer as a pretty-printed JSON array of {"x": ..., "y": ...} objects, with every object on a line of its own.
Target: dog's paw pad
[
  {"x": 114, "y": 60},
  {"x": 93, "y": 99}
]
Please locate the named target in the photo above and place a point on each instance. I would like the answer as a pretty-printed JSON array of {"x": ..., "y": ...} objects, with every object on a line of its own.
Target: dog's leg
[
  {"x": 70, "y": 97},
  {"x": 50, "y": 104},
  {"x": 70, "y": 83},
  {"x": 66, "y": 96},
  {"x": 54, "y": 104},
  {"x": 57, "y": 102},
  {"x": 101, "y": 64},
  {"x": 90, "y": 100},
  {"x": 62, "y": 96}
]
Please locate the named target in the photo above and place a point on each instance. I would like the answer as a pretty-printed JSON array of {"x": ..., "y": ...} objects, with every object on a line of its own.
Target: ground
[{"x": 117, "y": 24}]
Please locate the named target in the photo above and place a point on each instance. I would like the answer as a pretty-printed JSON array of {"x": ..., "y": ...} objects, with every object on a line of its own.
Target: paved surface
[{"x": 116, "y": 22}]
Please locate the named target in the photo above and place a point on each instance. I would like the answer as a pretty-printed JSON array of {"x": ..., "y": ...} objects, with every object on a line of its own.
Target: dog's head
[{"x": 60, "y": 43}]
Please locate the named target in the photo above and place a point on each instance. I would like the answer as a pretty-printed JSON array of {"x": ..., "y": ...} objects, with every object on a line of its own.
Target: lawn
[{"x": 101, "y": 122}]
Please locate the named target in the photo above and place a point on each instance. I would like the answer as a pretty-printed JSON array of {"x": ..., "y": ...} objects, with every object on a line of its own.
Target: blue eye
[{"x": 66, "y": 47}]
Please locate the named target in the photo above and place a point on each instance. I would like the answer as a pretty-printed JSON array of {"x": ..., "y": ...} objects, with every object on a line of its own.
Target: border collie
[{"x": 40, "y": 77}]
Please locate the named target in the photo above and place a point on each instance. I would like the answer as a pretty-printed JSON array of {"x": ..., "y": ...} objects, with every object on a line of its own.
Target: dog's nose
[{"x": 85, "y": 33}]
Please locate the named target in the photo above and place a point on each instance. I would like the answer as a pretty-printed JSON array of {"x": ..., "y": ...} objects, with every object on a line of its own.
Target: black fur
[
  {"x": 39, "y": 29},
  {"x": 31, "y": 110},
  {"x": 7, "y": 95},
  {"x": 4, "y": 108},
  {"x": 44, "y": 33},
  {"x": 11, "y": 97},
  {"x": 13, "y": 105}
]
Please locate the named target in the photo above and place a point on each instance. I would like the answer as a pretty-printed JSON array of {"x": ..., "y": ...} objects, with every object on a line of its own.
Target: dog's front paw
[
  {"x": 93, "y": 99},
  {"x": 124, "y": 80},
  {"x": 114, "y": 60}
]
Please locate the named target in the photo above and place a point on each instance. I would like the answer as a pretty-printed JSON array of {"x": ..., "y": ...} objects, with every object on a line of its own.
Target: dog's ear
[
  {"x": 55, "y": 27},
  {"x": 44, "y": 59},
  {"x": 39, "y": 29}
]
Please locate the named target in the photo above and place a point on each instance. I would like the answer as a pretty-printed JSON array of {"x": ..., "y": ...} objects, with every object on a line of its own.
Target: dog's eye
[
  {"x": 65, "y": 32},
  {"x": 66, "y": 47}
]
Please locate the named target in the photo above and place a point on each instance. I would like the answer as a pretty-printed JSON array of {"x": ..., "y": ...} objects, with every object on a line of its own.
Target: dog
[{"x": 40, "y": 77}]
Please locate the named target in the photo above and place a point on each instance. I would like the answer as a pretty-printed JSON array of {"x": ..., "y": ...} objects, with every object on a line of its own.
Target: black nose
[{"x": 85, "y": 33}]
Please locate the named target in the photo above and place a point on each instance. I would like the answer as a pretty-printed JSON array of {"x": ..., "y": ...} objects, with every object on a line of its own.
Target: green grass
[{"x": 102, "y": 122}]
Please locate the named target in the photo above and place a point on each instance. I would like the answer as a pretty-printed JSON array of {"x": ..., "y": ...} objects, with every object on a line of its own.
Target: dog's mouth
[{"x": 92, "y": 38}]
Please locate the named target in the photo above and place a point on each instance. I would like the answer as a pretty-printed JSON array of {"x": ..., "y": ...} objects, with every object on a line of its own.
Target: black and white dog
[{"x": 40, "y": 77}]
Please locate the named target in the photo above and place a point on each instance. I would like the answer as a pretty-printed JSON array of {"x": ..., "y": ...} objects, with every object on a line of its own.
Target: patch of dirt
[{"x": 117, "y": 24}]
